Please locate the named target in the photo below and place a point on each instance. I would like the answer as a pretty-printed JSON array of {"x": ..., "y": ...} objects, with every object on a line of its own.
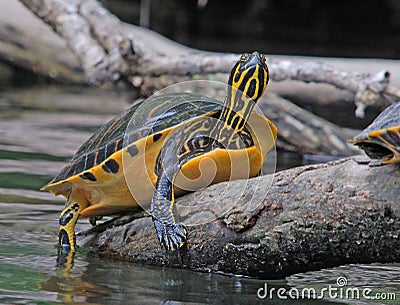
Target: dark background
[{"x": 338, "y": 28}]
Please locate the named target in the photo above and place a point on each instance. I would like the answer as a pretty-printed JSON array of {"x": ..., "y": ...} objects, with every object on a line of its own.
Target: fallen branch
[
  {"x": 45, "y": 55},
  {"x": 111, "y": 51},
  {"x": 303, "y": 132},
  {"x": 310, "y": 218}
]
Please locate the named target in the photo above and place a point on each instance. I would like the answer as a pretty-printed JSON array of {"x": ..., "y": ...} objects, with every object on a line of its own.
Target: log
[
  {"x": 304, "y": 132},
  {"x": 46, "y": 55},
  {"x": 302, "y": 219},
  {"x": 111, "y": 51}
]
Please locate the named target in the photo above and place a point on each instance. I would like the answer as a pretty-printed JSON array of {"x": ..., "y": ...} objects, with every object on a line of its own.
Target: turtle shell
[
  {"x": 95, "y": 175},
  {"x": 381, "y": 139},
  {"x": 111, "y": 137}
]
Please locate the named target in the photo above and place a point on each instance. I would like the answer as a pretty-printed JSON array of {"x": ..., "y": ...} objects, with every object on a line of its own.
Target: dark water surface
[{"x": 39, "y": 131}]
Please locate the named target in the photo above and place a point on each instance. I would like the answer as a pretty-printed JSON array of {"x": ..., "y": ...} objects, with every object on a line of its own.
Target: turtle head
[
  {"x": 247, "y": 83},
  {"x": 250, "y": 76}
]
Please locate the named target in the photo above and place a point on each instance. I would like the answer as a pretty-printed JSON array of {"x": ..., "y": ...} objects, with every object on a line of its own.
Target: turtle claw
[{"x": 171, "y": 236}]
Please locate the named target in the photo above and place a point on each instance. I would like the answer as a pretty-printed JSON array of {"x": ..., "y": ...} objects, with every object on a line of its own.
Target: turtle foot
[{"x": 171, "y": 236}]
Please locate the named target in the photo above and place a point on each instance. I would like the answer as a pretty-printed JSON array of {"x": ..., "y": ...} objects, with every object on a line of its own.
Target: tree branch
[
  {"x": 302, "y": 131},
  {"x": 111, "y": 50}
]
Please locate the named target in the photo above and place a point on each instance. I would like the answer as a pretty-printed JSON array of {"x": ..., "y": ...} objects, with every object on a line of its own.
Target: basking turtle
[
  {"x": 381, "y": 139},
  {"x": 95, "y": 184}
]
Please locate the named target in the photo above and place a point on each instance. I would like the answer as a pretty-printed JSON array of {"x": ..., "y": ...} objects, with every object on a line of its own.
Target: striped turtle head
[{"x": 250, "y": 76}]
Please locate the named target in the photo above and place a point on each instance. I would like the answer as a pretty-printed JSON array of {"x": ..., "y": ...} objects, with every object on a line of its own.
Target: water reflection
[
  {"x": 34, "y": 145},
  {"x": 122, "y": 282}
]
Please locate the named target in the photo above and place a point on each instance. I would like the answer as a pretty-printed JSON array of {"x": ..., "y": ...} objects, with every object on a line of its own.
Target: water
[{"x": 39, "y": 131}]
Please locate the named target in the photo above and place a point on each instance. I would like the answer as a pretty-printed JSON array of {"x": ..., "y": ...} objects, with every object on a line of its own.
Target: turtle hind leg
[{"x": 66, "y": 233}]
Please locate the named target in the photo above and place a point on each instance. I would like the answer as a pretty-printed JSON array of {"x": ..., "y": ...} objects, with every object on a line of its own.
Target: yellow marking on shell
[
  {"x": 391, "y": 146},
  {"x": 383, "y": 140},
  {"x": 375, "y": 135},
  {"x": 393, "y": 159},
  {"x": 395, "y": 129},
  {"x": 95, "y": 158},
  {"x": 100, "y": 142},
  {"x": 116, "y": 144},
  {"x": 152, "y": 111}
]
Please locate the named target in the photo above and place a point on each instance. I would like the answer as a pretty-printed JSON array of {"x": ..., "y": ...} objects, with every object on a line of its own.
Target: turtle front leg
[{"x": 172, "y": 235}]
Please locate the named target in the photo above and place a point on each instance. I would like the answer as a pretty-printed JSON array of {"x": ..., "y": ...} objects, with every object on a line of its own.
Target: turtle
[
  {"x": 95, "y": 183},
  {"x": 381, "y": 139}
]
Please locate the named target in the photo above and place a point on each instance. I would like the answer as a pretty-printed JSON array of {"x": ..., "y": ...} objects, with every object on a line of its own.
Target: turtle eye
[
  {"x": 244, "y": 57},
  {"x": 263, "y": 59}
]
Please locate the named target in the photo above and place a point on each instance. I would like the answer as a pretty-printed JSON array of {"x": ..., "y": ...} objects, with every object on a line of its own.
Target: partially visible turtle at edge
[{"x": 381, "y": 139}]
